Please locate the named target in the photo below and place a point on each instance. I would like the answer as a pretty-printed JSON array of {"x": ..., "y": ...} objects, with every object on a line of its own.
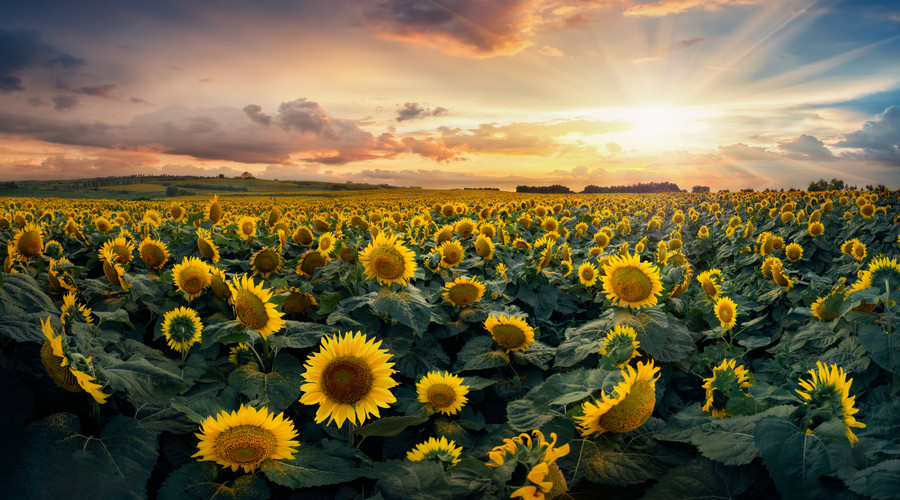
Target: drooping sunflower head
[
  {"x": 154, "y": 253},
  {"x": 728, "y": 380},
  {"x": 123, "y": 249},
  {"x": 587, "y": 274},
  {"x": 298, "y": 302},
  {"x": 726, "y": 312},
  {"x": 214, "y": 210},
  {"x": 441, "y": 451},
  {"x": 29, "y": 241},
  {"x": 463, "y": 292},
  {"x": 253, "y": 308},
  {"x": 628, "y": 407},
  {"x": 207, "y": 247},
  {"x": 826, "y": 396},
  {"x": 219, "y": 285},
  {"x": 537, "y": 456},
  {"x": 442, "y": 392},
  {"x": 71, "y": 376},
  {"x": 73, "y": 311},
  {"x": 388, "y": 260},
  {"x": 452, "y": 253},
  {"x": 266, "y": 261},
  {"x": 349, "y": 378},
  {"x": 631, "y": 283},
  {"x": 709, "y": 281},
  {"x": 620, "y": 346},
  {"x": 58, "y": 278},
  {"x": 182, "y": 328},
  {"x": 245, "y": 438},
  {"x": 303, "y": 236},
  {"x": 511, "y": 333},
  {"x": 191, "y": 277},
  {"x": 484, "y": 247}
]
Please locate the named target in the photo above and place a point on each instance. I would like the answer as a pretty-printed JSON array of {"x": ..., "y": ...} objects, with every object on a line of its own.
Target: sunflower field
[{"x": 408, "y": 344}]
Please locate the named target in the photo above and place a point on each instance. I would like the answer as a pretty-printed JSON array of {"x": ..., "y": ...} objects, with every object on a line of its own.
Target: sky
[{"x": 730, "y": 94}]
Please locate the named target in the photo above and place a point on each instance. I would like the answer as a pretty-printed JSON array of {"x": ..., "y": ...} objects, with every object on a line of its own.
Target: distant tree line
[
  {"x": 554, "y": 189},
  {"x": 642, "y": 187},
  {"x": 481, "y": 189}
]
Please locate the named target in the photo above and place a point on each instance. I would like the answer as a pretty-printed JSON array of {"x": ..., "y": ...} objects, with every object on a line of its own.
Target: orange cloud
[{"x": 670, "y": 7}]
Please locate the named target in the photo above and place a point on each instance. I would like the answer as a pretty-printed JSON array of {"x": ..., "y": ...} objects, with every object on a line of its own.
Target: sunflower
[
  {"x": 544, "y": 480},
  {"x": 205, "y": 244},
  {"x": 512, "y": 334},
  {"x": 463, "y": 292},
  {"x": 349, "y": 378},
  {"x": 858, "y": 250},
  {"x": 57, "y": 277},
  {"x": 123, "y": 249},
  {"x": 827, "y": 307},
  {"x": 266, "y": 261},
  {"x": 154, "y": 253},
  {"x": 53, "y": 249},
  {"x": 252, "y": 306},
  {"x": 442, "y": 392},
  {"x": 848, "y": 245},
  {"x": 444, "y": 233},
  {"x": 182, "y": 328},
  {"x": 587, "y": 274},
  {"x": 726, "y": 312},
  {"x": 114, "y": 271},
  {"x": 241, "y": 354},
  {"x": 628, "y": 407},
  {"x": 29, "y": 241},
  {"x": 214, "y": 210},
  {"x": 827, "y": 396},
  {"x": 728, "y": 380},
  {"x": 464, "y": 227},
  {"x": 72, "y": 377},
  {"x": 103, "y": 225},
  {"x": 708, "y": 280},
  {"x": 176, "y": 211},
  {"x": 452, "y": 253},
  {"x": 310, "y": 261},
  {"x": 867, "y": 211},
  {"x": 246, "y": 227},
  {"x": 151, "y": 217},
  {"x": 303, "y": 236},
  {"x": 441, "y": 451},
  {"x": 388, "y": 260},
  {"x": 630, "y": 282},
  {"x": 71, "y": 309},
  {"x": 794, "y": 252},
  {"x": 326, "y": 243},
  {"x": 883, "y": 273},
  {"x": 246, "y": 438},
  {"x": 620, "y": 346},
  {"x": 219, "y": 285},
  {"x": 816, "y": 229},
  {"x": 484, "y": 247},
  {"x": 501, "y": 269},
  {"x": 191, "y": 277},
  {"x": 298, "y": 302}
]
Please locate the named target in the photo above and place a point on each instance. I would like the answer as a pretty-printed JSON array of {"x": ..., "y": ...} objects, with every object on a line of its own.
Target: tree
[
  {"x": 700, "y": 189},
  {"x": 172, "y": 190}
]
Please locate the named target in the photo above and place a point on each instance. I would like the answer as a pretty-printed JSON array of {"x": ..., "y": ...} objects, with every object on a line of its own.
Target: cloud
[
  {"x": 24, "y": 49},
  {"x": 525, "y": 138},
  {"x": 303, "y": 115},
  {"x": 255, "y": 113},
  {"x": 414, "y": 110},
  {"x": 62, "y": 102},
  {"x": 670, "y": 7},
  {"x": 879, "y": 139},
  {"x": 547, "y": 50},
  {"x": 681, "y": 44},
  {"x": 92, "y": 164},
  {"x": 806, "y": 147}
]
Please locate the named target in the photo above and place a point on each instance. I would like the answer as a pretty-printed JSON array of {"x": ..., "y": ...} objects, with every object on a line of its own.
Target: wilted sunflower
[
  {"x": 298, "y": 302},
  {"x": 246, "y": 438},
  {"x": 266, "y": 261},
  {"x": 544, "y": 480},
  {"x": 72, "y": 310},
  {"x": 587, "y": 274},
  {"x": 463, "y": 292},
  {"x": 442, "y": 392},
  {"x": 182, "y": 328},
  {"x": 728, "y": 379},
  {"x": 628, "y": 407},
  {"x": 252, "y": 306},
  {"x": 501, "y": 269},
  {"x": 246, "y": 227},
  {"x": 68, "y": 376},
  {"x": 452, "y": 253},
  {"x": 207, "y": 248},
  {"x": 441, "y": 451},
  {"x": 349, "y": 378},
  {"x": 512, "y": 334},
  {"x": 484, "y": 247},
  {"x": 620, "y": 346},
  {"x": 709, "y": 281},
  {"x": 388, "y": 260},
  {"x": 726, "y": 312},
  {"x": 154, "y": 253},
  {"x": 826, "y": 397},
  {"x": 191, "y": 277},
  {"x": 29, "y": 241},
  {"x": 630, "y": 282}
]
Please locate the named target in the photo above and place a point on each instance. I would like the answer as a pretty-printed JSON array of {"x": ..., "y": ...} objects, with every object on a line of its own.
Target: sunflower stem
[
  {"x": 262, "y": 365},
  {"x": 351, "y": 433}
]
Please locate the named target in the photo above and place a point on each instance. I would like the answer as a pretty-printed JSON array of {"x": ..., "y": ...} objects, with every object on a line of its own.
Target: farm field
[{"x": 394, "y": 344}]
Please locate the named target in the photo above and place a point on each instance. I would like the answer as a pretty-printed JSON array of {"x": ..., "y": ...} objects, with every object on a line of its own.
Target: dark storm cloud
[
  {"x": 21, "y": 50},
  {"x": 879, "y": 139},
  {"x": 414, "y": 110},
  {"x": 255, "y": 113},
  {"x": 54, "y": 131}
]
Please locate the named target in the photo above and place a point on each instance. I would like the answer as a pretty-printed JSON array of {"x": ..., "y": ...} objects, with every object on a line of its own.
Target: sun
[{"x": 656, "y": 128}]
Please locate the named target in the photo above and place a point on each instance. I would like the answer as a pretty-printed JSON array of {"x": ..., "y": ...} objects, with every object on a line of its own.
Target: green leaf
[
  {"x": 702, "y": 478},
  {"x": 479, "y": 354},
  {"x": 883, "y": 348},
  {"x": 407, "y": 308},
  {"x": 225, "y": 332},
  {"x": 524, "y": 415},
  {"x": 795, "y": 460},
  {"x": 275, "y": 390},
  {"x": 470, "y": 478},
  {"x": 881, "y": 481},
  {"x": 143, "y": 381},
  {"x": 199, "y": 481},
  {"x": 412, "y": 480},
  {"x": 312, "y": 466},
  {"x": 389, "y": 426},
  {"x": 581, "y": 342},
  {"x": 300, "y": 335},
  {"x": 119, "y": 315},
  {"x": 61, "y": 462}
]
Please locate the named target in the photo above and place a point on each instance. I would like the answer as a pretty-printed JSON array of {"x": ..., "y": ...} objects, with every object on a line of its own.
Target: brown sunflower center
[
  {"x": 60, "y": 374},
  {"x": 296, "y": 303},
  {"x": 122, "y": 254},
  {"x": 153, "y": 256},
  {"x": 247, "y": 228},
  {"x": 30, "y": 244},
  {"x": 465, "y": 229},
  {"x": 441, "y": 395},
  {"x": 463, "y": 294},
  {"x": 710, "y": 288},
  {"x": 793, "y": 253},
  {"x": 587, "y": 274},
  {"x": 246, "y": 445},
  {"x": 250, "y": 310},
  {"x": 387, "y": 263},
  {"x": 450, "y": 256},
  {"x": 483, "y": 248},
  {"x": 725, "y": 313},
  {"x": 215, "y": 212},
  {"x": 508, "y": 336},
  {"x": 312, "y": 261},
  {"x": 634, "y": 409},
  {"x": 266, "y": 261},
  {"x": 347, "y": 379},
  {"x": 192, "y": 280},
  {"x": 631, "y": 284},
  {"x": 206, "y": 249}
]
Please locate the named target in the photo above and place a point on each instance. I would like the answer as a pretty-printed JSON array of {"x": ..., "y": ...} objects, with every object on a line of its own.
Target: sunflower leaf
[
  {"x": 883, "y": 348},
  {"x": 199, "y": 481},
  {"x": 300, "y": 335},
  {"x": 312, "y": 466},
  {"x": 390, "y": 426},
  {"x": 145, "y": 382},
  {"x": 479, "y": 354},
  {"x": 881, "y": 481},
  {"x": 276, "y": 389},
  {"x": 702, "y": 478},
  {"x": 407, "y": 308},
  {"x": 405, "y": 479}
]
